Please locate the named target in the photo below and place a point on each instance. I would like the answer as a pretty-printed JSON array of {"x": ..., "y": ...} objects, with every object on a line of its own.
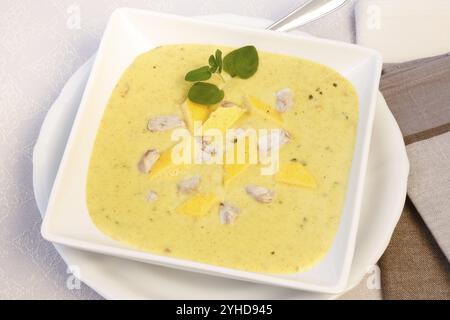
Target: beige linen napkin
[{"x": 416, "y": 265}]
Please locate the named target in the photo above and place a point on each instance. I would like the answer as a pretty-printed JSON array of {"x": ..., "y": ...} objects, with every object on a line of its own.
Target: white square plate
[{"x": 131, "y": 32}]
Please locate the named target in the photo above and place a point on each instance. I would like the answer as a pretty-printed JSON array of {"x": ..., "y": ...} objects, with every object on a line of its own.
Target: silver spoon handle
[{"x": 309, "y": 11}]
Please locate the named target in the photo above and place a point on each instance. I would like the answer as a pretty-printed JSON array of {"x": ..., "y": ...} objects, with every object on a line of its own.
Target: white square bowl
[{"x": 131, "y": 32}]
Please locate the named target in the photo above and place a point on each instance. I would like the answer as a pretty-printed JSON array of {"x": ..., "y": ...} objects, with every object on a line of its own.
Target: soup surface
[{"x": 220, "y": 214}]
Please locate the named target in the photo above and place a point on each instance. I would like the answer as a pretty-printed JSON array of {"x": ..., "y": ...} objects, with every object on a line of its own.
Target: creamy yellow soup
[{"x": 287, "y": 234}]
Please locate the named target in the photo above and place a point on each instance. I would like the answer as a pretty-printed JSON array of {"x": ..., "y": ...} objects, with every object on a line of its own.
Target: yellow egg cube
[
  {"x": 296, "y": 174},
  {"x": 195, "y": 112},
  {"x": 232, "y": 167},
  {"x": 198, "y": 205},
  {"x": 223, "y": 118},
  {"x": 165, "y": 164},
  {"x": 265, "y": 109},
  {"x": 231, "y": 171}
]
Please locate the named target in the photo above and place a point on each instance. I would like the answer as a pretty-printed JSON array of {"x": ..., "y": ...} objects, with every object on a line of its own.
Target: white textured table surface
[{"x": 40, "y": 47}]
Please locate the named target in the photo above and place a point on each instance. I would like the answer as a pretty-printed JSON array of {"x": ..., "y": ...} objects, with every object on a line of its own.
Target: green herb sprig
[
  {"x": 242, "y": 63},
  {"x": 205, "y": 73},
  {"x": 215, "y": 62}
]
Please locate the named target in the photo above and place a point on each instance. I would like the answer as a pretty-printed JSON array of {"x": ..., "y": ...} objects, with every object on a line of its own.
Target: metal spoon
[{"x": 309, "y": 11}]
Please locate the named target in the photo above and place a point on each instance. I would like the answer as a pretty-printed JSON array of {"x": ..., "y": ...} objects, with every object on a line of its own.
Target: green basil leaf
[
  {"x": 205, "y": 93},
  {"x": 246, "y": 62},
  {"x": 213, "y": 69},
  {"x": 228, "y": 64},
  {"x": 213, "y": 64},
  {"x": 242, "y": 62},
  {"x": 218, "y": 57},
  {"x": 200, "y": 74},
  {"x": 212, "y": 61}
]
